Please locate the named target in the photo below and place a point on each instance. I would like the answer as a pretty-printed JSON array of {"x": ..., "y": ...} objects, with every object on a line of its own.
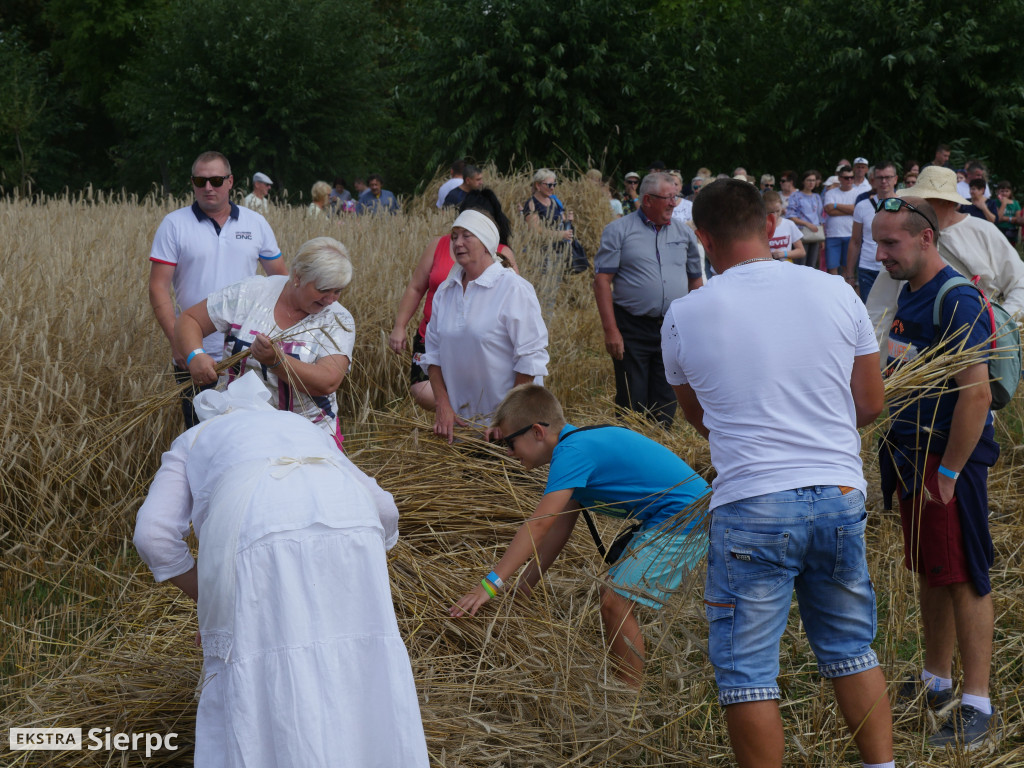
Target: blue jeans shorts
[
  {"x": 761, "y": 548},
  {"x": 835, "y": 252}
]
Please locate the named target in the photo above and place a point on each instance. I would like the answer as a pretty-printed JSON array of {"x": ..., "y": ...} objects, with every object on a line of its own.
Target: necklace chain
[{"x": 751, "y": 261}]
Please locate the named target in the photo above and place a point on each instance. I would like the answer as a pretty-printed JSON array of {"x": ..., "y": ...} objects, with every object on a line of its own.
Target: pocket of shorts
[
  {"x": 755, "y": 562},
  {"x": 851, "y": 563},
  {"x": 720, "y": 618}
]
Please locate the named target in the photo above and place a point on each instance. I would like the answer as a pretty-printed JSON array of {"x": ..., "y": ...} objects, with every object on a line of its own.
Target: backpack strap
[
  {"x": 586, "y": 515},
  {"x": 947, "y": 286}
]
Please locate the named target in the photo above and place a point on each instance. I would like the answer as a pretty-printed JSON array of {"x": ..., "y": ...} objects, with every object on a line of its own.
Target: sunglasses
[
  {"x": 846, "y": 178},
  {"x": 549, "y": 184},
  {"x": 215, "y": 181},
  {"x": 632, "y": 181},
  {"x": 893, "y": 204},
  {"x": 509, "y": 440}
]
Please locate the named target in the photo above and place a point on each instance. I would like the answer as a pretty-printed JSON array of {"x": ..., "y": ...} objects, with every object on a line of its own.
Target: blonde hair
[
  {"x": 529, "y": 404},
  {"x": 323, "y": 261},
  {"x": 543, "y": 175},
  {"x": 321, "y": 191}
]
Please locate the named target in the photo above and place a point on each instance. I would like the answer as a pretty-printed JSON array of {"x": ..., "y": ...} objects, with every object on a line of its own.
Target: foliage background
[{"x": 124, "y": 93}]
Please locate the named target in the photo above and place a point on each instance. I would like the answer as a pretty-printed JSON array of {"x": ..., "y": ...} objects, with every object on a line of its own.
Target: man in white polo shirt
[{"x": 202, "y": 248}]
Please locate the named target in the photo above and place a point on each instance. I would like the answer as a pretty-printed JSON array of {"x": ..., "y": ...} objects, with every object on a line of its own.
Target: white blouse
[
  {"x": 483, "y": 336},
  {"x": 244, "y": 309}
]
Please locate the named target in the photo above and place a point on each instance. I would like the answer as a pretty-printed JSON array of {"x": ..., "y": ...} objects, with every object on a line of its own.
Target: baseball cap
[
  {"x": 632, "y": 175},
  {"x": 861, "y": 161}
]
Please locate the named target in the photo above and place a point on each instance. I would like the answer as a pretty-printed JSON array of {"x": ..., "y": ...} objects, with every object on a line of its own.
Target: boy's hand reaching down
[{"x": 470, "y": 603}]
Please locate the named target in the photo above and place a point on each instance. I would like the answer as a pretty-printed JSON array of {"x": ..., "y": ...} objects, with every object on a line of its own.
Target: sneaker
[
  {"x": 967, "y": 727},
  {"x": 910, "y": 692}
]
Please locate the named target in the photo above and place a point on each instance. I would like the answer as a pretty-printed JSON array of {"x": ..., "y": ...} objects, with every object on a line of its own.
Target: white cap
[
  {"x": 861, "y": 161},
  {"x": 261, "y": 177}
]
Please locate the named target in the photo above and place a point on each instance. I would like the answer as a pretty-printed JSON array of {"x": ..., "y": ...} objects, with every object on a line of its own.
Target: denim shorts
[
  {"x": 835, "y": 252},
  {"x": 761, "y": 548}
]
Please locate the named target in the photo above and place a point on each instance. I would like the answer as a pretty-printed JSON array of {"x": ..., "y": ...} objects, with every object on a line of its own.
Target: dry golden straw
[{"x": 87, "y": 405}]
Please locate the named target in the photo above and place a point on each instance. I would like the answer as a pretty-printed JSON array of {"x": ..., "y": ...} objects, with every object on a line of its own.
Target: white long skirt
[{"x": 317, "y": 674}]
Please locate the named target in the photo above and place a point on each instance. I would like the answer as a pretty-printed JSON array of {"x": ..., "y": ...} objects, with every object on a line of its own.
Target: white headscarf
[
  {"x": 485, "y": 230},
  {"x": 245, "y": 393}
]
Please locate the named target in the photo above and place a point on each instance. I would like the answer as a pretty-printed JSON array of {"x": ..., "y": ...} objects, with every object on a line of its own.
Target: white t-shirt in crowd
[
  {"x": 864, "y": 214},
  {"x": 864, "y": 186},
  {"x": 839, "y": 226},
  {"x": 683, "y": 211},
  {"x": 963, "y": 189},
  {"x": 785, "y": 236},
  {"x": 257, "y": 203},
  {"x": 483, "y": 336},
  {"x": 778, "y": 405},
  {"x": 447, "y": 187}
]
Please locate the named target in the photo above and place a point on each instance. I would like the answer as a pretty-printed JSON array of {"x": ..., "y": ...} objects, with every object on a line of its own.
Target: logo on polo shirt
[{"x": 243, "y": 235}]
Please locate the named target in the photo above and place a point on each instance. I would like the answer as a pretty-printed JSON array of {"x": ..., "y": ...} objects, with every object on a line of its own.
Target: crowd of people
[{"x": 704, "y": 299}]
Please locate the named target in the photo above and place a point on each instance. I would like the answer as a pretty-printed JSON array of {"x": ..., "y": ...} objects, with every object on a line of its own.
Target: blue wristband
[
  {"x": 193, "y": 353},
  {"x": 495, "y": 579},
  {"x": 948, "y": 473}
]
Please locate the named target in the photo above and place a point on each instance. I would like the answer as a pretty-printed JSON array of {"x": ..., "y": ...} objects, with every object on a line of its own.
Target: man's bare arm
[
  {"x": 692, "y": 409},
  {"x": 867, "y": 388}
]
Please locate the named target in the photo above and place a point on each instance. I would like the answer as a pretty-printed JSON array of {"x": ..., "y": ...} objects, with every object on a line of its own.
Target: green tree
[
  {"x": 28, "y": 110},
  {"x": 291, "y": 89},
  {"x": 530, "y": 80},
  {"x": 901, "y": 77}
]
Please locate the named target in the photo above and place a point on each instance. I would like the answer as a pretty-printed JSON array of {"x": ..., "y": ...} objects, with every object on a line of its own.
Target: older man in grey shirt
[{"x": 646, "y": 261}]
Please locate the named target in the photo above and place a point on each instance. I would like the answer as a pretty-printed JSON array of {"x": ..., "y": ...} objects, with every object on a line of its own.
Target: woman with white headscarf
[
  {"x": 304, "y": 664},
  {"x": 485, "y": 334}
]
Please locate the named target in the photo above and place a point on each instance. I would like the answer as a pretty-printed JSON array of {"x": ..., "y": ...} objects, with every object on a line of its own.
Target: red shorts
[{"x": 932, "y": 542}]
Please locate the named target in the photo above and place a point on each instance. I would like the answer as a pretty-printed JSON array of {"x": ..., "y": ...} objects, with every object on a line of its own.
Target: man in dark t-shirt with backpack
[{"x": 942, "y": 445}]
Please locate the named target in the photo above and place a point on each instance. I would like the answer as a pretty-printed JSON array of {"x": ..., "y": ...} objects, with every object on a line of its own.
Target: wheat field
[{"x": 88, "y": 640}]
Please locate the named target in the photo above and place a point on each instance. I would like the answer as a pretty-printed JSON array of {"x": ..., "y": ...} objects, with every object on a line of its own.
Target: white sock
[
  {"x": 980, "y": 703},
  {"x": 934, "y": 682},
  {"x": 890, "y": 764}
]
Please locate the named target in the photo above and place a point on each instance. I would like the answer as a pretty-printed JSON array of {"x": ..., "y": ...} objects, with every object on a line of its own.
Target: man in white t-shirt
[
  {"x": 781, "y": 411},
  {"x": 973, "y": 247},
  {"x": 199, "y": 249},
  {"x": 839, "y": 203},
  {"x": 861, "y": 182},
  {"x": 259, "y": 199},
  {"x": 456, "y": 171},
  {"x": 860, "y": 257}
]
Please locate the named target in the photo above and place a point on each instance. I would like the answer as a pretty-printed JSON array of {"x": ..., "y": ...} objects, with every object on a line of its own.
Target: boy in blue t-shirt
[{"x": 614, "y": 471}]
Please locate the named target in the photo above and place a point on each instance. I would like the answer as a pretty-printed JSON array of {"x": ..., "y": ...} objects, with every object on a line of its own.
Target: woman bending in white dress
[{"x": 304, "y": 664}]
